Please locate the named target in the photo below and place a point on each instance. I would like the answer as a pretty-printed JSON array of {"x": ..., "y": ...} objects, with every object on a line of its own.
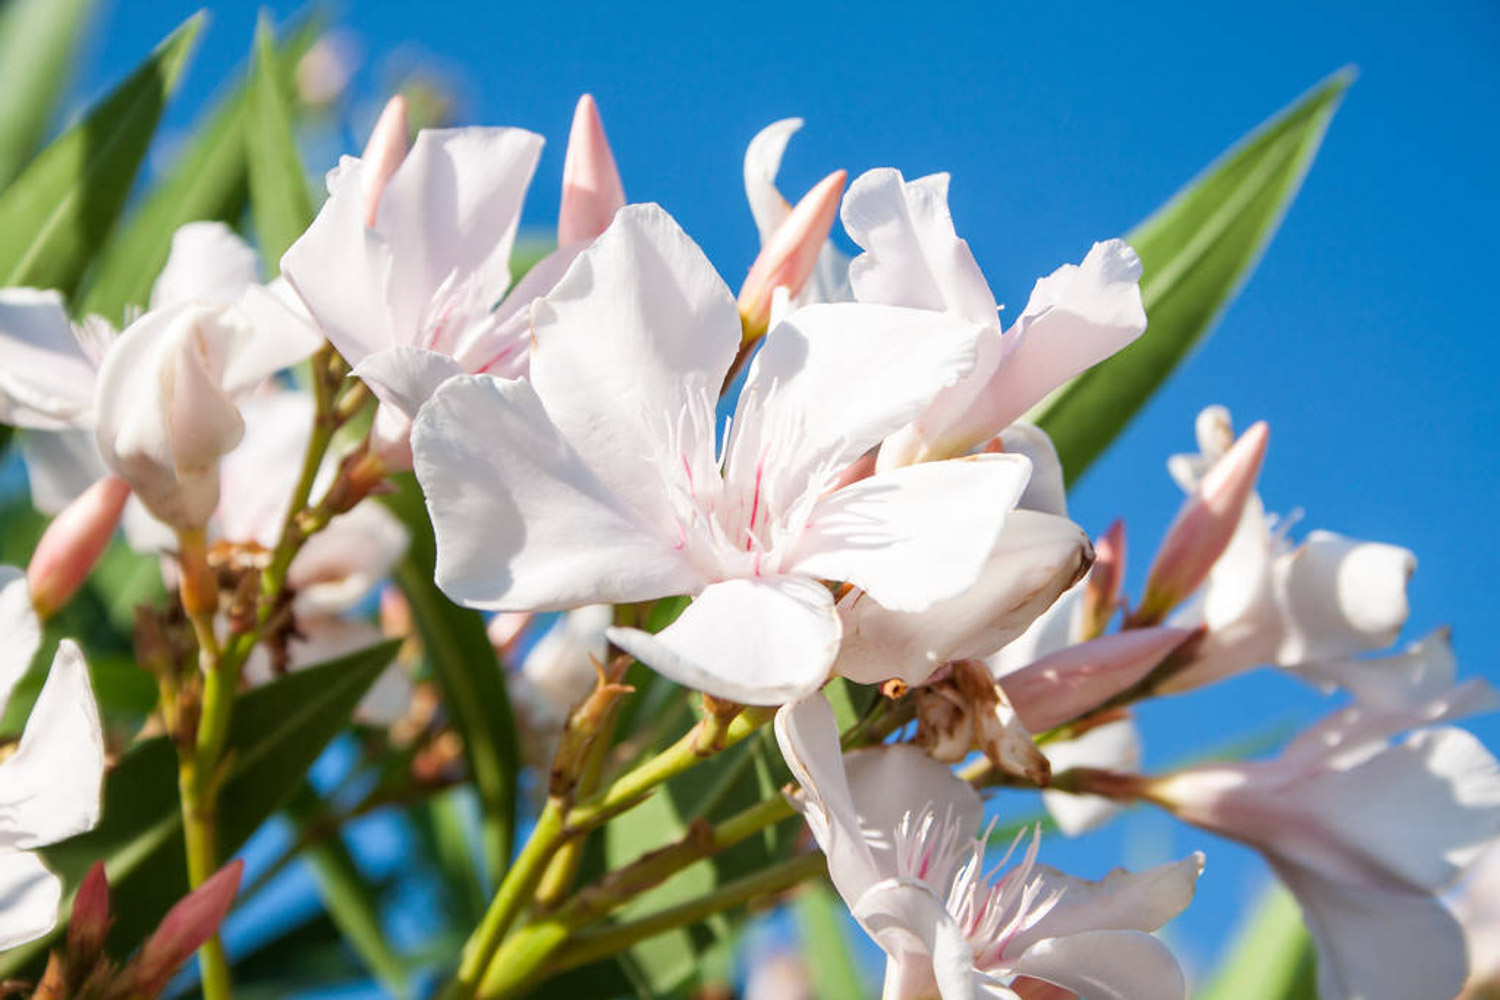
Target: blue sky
[{"x": 1367, "y": 338}]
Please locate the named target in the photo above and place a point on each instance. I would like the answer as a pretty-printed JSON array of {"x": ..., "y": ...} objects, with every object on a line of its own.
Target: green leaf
[
  {"x": 1273, "y": 957},
  {"x": 279, "y": 200},
  {"x": 38, "y": 42},
  {"x": 470, "y": 674},
  {"x": 824, "y": 921},
  {"x": 207, "y": 181},
  {"x": 1197, "y": 250},
  {"x": 58, "y": 212},
  {"x": 276, "y": 734},
  {"x": 348, "y": 897}
]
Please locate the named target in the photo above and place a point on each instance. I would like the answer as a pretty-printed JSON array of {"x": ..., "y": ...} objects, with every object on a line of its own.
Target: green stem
[{"x": 200, "y": 837}]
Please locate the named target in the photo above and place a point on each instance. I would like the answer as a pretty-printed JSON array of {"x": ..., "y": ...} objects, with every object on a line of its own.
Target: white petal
[
  {"x": 342, "y": 564},
  {"x": 46, "y": 377},
  {"x": 521, "y": 523},
  {"x": 914, "y": 536},
  {"x": 888, "y": 782},
  {"x": 912, "y": 255},
  {"x": 1055, "y": 628},
  {"x": 1035, "y": 558},
  {"x": 60, "y": 465},
  {"x": 906, "y": 916},
  {"x": 258, "y": 476},
  {"x": 639, "y": 333},
  {"x": 1121, "y": 901},
  {"x": 1077, "y": 317},
  {"x": 834, "y": 380},
  {"x": 49, "y": 788},
  {"x": 29, "y": 896},
  {"x": 1106, "y": 965},
  {"x": 209, "y": 263},
  {"x": 20, "y": 627},
  {"x": 1377, "y": 945},
  {"x": 284, "y": 334},
  {"x": 1341, "y": 596},
  {"x": 760, "y": 641},
  {"x": 406, "y": 377},
  {"x": 453, "y": 206},
  {"x": 342, "y": 271},
  {"x": 808, "y": 736},
  {"x": 1423, "y": 671},
  {"x": 1115, "y": 746},
  {"x": 1046, "y": 492},
  {"x": 762, "y": 163}
]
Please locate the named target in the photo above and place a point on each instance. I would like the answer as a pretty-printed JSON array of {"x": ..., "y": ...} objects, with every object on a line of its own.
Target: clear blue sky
[{"x": 1367, "y": 338}]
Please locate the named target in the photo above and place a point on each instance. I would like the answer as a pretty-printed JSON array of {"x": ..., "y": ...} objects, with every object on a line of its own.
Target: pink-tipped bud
[
  {"x": 73, "y": 543},
  {"x": 1064, "y": 685},
  {"x": 505, "y": 630},
  {"x": 389, "y": 141},
  {"x": 789, "y": 256},
  {"x": 591, "y": 189},
  {"x": 396, "y": 620},
  {"x": 184, "y": 929},
  {"x": 89, "y": 924},
  {"x": 1101, "y": 595},
  {"x": 1203, "y": 527}
]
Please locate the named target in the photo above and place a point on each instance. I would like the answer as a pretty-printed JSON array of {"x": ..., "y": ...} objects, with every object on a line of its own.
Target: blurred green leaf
[
  {"x": 1272, "y": 959},
  {"x": 279, "y": 199},
  {"x": 58, "y": 212},
  {"x": 348, "y": 896},
  {"x": 444, "y": 828},
  {"x": 276, "y": 734},
  {"x": 469, "y": 672},
  {"x": 207, "y": 181},
  {"x": 1197, "y": 250},
  {"x": 38, "y": 42},
  {"x": 823, "y": 920}
]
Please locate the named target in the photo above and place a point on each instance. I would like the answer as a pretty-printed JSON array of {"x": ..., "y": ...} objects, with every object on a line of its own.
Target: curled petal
[
  {"x": 762, "y": 641},
  {"x": 208, "y": 263},
  {"x": 1342, "y": 596},
  {"x": 925, "y": 944},
  {"x": 1106, "y": 964},
  {"x": 46, "y": 375}
]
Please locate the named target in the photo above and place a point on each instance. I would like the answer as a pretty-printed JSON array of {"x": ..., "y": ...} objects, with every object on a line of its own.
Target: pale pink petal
[
  {"x": 60, "y": 465},
  {"x": 808, "y": 736},
  {"x": 1424, "y": 670},
  {"x": 1114, "y": 746},
  {"x": 522, "y": 523},
  {"x": 907, "y": 919},
  {"x": 1036, "y": 558},
  {"x": 46, "y": 377},
  {"x": 915, "y": 536},
  {"x": 1106, "y": 965},
  {"x": 406, "y": 377},
  {"x": 389, "y": 140},
  {"x": 258, "y": 476},
  {"x": 635, "y": 338},
  {"x": 339, "y": 566},
  {"x": 1046, "y": 491},
  {"x": 29, "y": 896},
  {"x": 1121, "y": 901},
  {"x": 1377, "y": 944},
  {"x": 1064, "y": 685},
  {"x": 208, "y": 263},
  {"x": 761, "y": 641},
  {"x": 49, "y": 788},
  {"x": 1058, "y": 627},
  {"x": 1341, "y": 596},
  {"x": 284, "y": 334},
  {"x": 762, "y": 163},
  {"x": 886, "y": 783},
  {"x": 452, "y": 207},
  {"x": 342, "y": 269}
]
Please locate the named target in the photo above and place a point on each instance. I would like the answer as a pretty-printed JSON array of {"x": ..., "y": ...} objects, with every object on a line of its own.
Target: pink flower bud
[
  {"x": 1101, "y": 595},
  {"x": 789, "y": 256},
  {"x": 1064, "y": 685},
  {"x": 73, "y": 543},
  {"x": 1203, "y": 527},
  {"x": 389, "y": 141},
  {"x": 194, "y": 920},
  {"x": 591, "y": 191},
  {"x": 89, "y": 924}
]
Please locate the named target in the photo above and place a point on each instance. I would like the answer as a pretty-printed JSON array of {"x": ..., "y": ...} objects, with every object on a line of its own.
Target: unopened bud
[
  {"x": 89, "y": 924},
  {"x": 788, "y": 258},
  {"x": 586, "y": 723},
  {"x": 1101, "y": 594},
  {"x": 1064, "y": 685},
  {"x": 73, "y": 543},
  {"x": 389, "y": 141},
  {"x": 1203, "y": 527},
  {"x": 184, "y": 929},
  {"x": 591, "y": 189}
]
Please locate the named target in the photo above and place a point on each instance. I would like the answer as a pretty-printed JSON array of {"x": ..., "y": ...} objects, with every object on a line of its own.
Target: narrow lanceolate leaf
[
  {"x": 824, "y": 922},
  {"x": 1197, "y": 250},
  {"x": 206, "y": 181},
  {"x": 277, "y": 733},
  {"x": 1272, "y": 958},
  {"x": 38, "y": 41},
  {"x": 348, "y": 896},
  {"x": 467, "y": 669},
  {"x": 58, "y": 212},
  {"x": 280, "y": 203}
]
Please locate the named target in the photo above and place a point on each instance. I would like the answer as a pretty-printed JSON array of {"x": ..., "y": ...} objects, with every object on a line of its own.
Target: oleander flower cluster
[{"x": 819, "y": 498}]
